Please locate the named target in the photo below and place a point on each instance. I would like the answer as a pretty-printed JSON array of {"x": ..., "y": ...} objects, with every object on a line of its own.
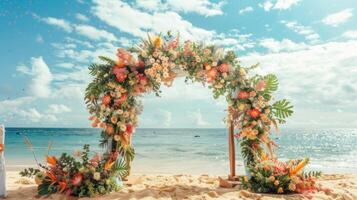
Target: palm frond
[
  {"x": 120, "y": 168},
  {"x": 271, "y": 83}
]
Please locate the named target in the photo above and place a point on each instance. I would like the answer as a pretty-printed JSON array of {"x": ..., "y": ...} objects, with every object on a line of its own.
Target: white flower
[
  {"x": 123, "y": 127},
  {"x": 96, "y": 176}
]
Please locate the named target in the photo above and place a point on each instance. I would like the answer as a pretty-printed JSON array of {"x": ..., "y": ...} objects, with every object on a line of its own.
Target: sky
[{"x": 47, "y": 46}]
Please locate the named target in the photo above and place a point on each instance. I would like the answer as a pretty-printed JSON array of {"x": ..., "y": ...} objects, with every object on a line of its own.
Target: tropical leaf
[
  {"x": 107, "y": 60},
  {"x": 282, "y": 109},
  {"x": 121, "y": 168},
  {"x": 312, "y": 174},
  {"x": 271, "y": 83}
]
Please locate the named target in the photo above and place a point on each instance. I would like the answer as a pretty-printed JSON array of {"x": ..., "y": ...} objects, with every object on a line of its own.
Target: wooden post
[
  {"x": 232, "y": 156},
  {"x": 2, "y": 163}
]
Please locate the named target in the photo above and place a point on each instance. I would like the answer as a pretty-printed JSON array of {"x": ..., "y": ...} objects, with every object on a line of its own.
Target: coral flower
[
  {"x": 109, "y": 129},
  {"x": 254, "y": 113},
  {"x": 243, "y": 95},
  {"x": 2, "y": 148},
  {"x": 124, "y": 55},
  {"x": 63, "y": 186},
  {"x": 120, "y": 73},
  {"x": 77, "y": 179},
  {"x": 51, "y": 160},
  {"x": 223, "y": 68},
  {"x": 260, "y": 85},
  {"x": 123, "y": 98},
  {"x": 211, "y": 74},
  {"x": 140, "y": 63},
  {"x": 106, "y": 100}
]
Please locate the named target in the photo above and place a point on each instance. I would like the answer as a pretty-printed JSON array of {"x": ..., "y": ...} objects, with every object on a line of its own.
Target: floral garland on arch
[{"x": 113, "y": 101}]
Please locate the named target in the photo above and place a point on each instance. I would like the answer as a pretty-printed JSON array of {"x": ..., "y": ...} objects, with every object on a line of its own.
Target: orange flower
[
  {"x": 63, "y": 186},
  {"x": 299, "y": 167},
  {"x": 106, "y": 100},
  {"x": 108, "y": 165},
  {"x": 51, "y": 176},
  {"x": 109, "y": 129},
  {"x": 51, "y": 160},
  {"x": 2, "y": 147},
  {"x": 254, "y": 113}
]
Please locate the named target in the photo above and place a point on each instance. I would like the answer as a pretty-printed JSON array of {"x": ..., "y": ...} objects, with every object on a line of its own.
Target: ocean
[{"x": 193, "y": 151}]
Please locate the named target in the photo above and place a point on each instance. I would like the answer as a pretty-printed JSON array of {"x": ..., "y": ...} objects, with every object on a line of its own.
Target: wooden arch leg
[{"x": 232, "y": 157}]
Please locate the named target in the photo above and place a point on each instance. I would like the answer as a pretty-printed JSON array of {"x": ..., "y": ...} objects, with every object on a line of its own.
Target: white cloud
[
  {"x": 82, "y": 17},
  {"x": 352, "y": 34},
  {"x": 283, "y": 45},
  {"x": 198, "y": 118},
  {"x": 267, "y": 5},
  {"x": 39, "y": 39},
  {"x": 58, "y": 108},
  {"x": 41, "y": 77},
  {"x": 34, "y": 115},
  {"x": 201, "y": 7},
  {"x": 285, "y": 4},
  {"x": 278, "y": 4},
  {"x": 246, "y": 10},
  {"x": 305, "y": 31},
  {"x": 130, "y": 20},
  {"x": 338, "y": 18},
  {"x": 315, "y": 77},
  {"x": 61, "y": 23},
  {"x": 94, "y": 33}
]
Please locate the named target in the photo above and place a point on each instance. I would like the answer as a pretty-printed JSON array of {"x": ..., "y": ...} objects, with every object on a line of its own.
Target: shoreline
[{"x": 186, "y": 186}]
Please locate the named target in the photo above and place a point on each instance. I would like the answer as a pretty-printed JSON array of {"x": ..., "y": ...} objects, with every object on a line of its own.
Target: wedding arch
[{"x": 113, "y": 101}]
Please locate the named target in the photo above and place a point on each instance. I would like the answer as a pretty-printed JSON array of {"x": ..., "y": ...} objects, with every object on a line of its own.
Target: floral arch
[{"x": 113, "y": 101}]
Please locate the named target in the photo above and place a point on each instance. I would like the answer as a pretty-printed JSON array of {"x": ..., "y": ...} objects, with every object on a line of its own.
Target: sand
[{"x": 343, "y": 187}]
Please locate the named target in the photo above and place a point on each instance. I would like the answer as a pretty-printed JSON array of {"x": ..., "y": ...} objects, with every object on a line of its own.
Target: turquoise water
[{"x": 195, "y": 151}]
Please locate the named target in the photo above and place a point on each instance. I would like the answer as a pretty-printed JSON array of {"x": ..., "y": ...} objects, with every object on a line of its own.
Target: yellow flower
[
  {"x": 280, "y": 190},
  {"x": 157, "y": 42},
  {"x": 292, "y": 187},
  {"x": 271, "y": 178}
]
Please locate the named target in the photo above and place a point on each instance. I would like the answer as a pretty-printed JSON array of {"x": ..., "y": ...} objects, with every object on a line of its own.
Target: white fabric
[{"x": 2, "y": 164}]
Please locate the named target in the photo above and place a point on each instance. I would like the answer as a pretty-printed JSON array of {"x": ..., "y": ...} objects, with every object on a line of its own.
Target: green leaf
[
  {"x": 282, "y": 109},
  {"x": 271, "y": 84},
  {"x": 120, "y": 168}
]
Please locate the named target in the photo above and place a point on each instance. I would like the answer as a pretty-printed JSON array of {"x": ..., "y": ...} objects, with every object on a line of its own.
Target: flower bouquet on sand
[{"x": 79, "y": 175}]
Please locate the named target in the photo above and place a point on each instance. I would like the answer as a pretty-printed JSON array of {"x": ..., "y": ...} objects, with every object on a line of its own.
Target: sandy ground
[{"x": 343, "y": 187}]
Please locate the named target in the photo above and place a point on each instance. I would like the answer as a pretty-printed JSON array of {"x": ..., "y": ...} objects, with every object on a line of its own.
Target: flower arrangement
[
  {"x": 113, "y": 101},
  {"x": 86, "y": 177}
]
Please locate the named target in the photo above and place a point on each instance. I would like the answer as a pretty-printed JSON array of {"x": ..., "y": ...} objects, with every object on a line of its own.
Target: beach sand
[{"x": 343, "y": 187}]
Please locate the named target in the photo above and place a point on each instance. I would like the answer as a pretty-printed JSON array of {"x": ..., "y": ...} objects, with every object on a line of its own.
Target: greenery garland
[{"x": 113, "y": 95}]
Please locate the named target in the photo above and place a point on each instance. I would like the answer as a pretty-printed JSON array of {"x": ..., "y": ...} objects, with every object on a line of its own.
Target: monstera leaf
[
  {"x": 282, "y": 109},
  {"x": 271, "y": 83}
]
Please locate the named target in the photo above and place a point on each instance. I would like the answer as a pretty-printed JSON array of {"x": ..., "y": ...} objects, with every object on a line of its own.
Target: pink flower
[
  {"x": 260, "y": 85},
  {"x": 243, "y": 95},
  {"x": 223, "y": 68},
  {"x": 120, "y": 73},
  {"x": 143, "y": 80},
  {"x": 77, "y": 179},
  {"x": 124, "y": 55}
]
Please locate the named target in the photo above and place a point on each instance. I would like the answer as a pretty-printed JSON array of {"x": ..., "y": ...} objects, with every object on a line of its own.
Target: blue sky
[{"x": 46, "y": 47}]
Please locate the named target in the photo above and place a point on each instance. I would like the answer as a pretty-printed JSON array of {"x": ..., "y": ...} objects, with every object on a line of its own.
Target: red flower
[
  {"x": 77, "y": 179},
  {"x": 129, "y": 128},
  {"x": 106, "y": 100},
  {"x": 140, "y": 63},
  {"x": 123, "y": 98},
  {"x": 143, "y": 80},
  {"x": 243, "y": 95},
  {"x": 254, "y": 113},
  {"x": 120, "y": 73},
  {"x": 224, "y": 68}
]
